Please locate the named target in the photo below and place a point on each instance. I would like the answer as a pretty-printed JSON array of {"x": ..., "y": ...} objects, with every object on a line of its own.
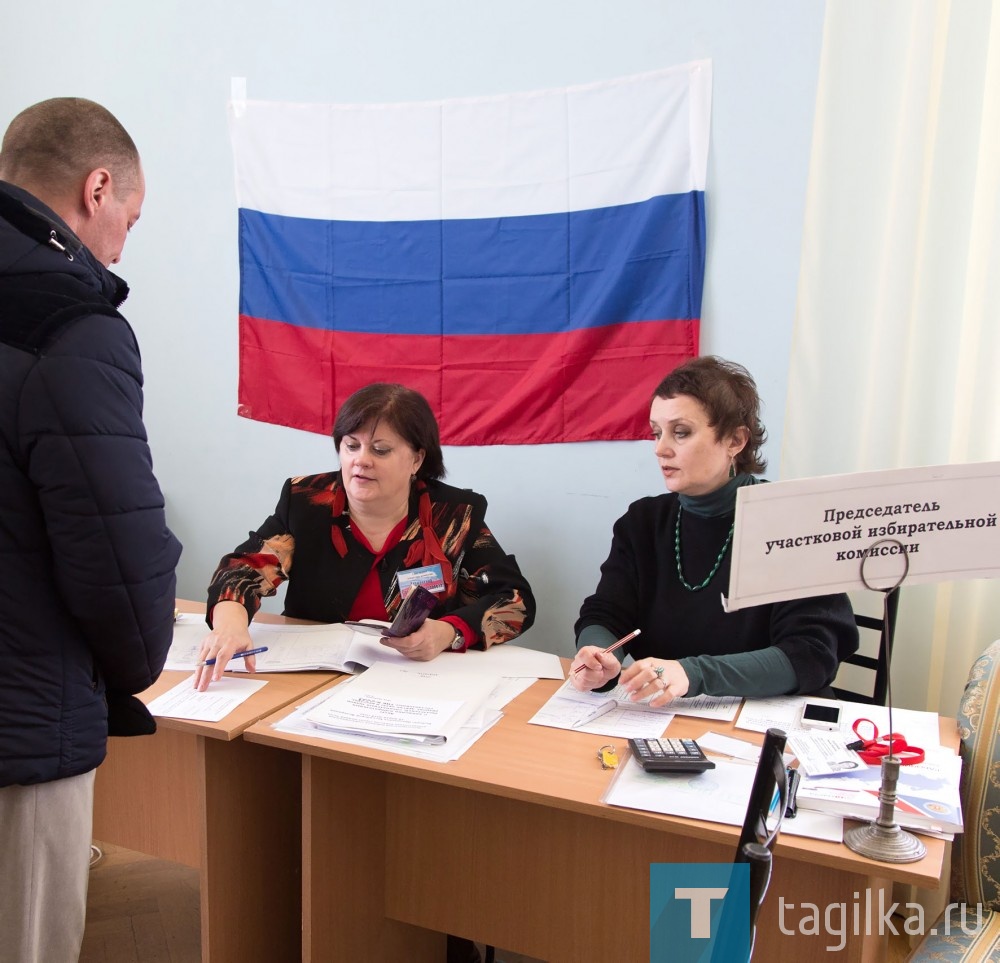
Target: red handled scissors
[{"x": 875, "y": 748}]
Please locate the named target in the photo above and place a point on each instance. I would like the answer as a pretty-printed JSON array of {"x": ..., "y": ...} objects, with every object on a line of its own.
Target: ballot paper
[
  {"x": 406, "y": 702},
  {"x": 183, "y": 701}
]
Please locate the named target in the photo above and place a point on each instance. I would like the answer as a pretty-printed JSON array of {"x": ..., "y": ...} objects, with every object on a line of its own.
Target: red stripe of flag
[{"x": 486, "y": 389}]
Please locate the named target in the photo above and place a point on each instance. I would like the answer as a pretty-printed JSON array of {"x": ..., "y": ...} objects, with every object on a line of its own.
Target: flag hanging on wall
[{"x": 532, "y": 263}]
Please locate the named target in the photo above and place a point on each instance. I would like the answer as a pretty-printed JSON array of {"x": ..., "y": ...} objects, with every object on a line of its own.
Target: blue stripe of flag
[{"x": 541, "y": 273}]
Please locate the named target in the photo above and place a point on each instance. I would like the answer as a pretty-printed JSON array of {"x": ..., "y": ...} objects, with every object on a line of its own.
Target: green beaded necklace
[{"x": 677, "y": 554}]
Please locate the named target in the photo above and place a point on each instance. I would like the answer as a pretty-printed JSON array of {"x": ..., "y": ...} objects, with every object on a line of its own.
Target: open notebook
[{"x": 339, "y": 648}]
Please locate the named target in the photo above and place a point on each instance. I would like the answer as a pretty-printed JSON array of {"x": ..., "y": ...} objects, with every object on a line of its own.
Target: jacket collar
[{"x": 37, "y": 222}]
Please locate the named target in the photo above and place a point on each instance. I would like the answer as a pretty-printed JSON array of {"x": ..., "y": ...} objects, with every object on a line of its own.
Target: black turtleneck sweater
[{"x": 765, "y": 650}]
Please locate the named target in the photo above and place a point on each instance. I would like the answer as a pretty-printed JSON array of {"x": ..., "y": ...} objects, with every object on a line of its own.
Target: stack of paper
[
  {"x": 430, "y": 695},
  {"x": 927, "y": 797},
  {"x": 835, "y": 780},
  {"x": 402, "y": 702}
]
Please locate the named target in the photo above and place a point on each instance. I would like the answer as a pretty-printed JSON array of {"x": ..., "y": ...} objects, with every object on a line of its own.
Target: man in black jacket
[{"x": 87, "y": 594}]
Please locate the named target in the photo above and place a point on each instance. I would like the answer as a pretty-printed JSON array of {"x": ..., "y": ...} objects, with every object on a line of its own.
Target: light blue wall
[{"x": 164, "y": 69}]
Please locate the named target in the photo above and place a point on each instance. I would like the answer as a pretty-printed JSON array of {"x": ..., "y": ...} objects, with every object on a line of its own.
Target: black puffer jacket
[{"x": 87, "y": 586}]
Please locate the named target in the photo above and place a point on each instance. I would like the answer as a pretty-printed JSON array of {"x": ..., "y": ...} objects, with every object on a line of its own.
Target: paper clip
[{"x": 608, "y": 756}]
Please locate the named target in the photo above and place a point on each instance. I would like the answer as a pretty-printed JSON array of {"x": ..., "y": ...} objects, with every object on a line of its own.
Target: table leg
[
  {"x": 344, "y": 870},
  {"x": 147, "y": 796},
  {"x": 251, "y": 870},
  {"x": 230, "y": 809}
]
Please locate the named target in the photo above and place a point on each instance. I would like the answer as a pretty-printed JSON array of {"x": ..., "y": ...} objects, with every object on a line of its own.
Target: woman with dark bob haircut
[
  {"x": 669, "y": 565},
  {"x": 351, "y": 533}
]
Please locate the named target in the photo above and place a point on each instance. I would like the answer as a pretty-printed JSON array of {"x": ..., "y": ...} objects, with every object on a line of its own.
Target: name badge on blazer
[{"x": 429, "y": 576}]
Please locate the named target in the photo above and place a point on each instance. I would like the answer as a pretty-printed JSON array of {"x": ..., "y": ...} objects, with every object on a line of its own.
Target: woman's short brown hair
[
  {"x": 728, "y": 393},
  {"x": 405, "y": 411}
]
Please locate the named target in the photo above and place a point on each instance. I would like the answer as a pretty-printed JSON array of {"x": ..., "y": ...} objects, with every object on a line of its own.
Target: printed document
[
  {"x": 404, "y": 701},
  {"x": 612, "y": 714},
  {"x": 183, "y": 701},
  {"x": 455, "y": 747}
]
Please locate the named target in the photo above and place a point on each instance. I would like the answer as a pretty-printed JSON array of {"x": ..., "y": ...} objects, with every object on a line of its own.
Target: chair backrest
[
  {"x": 975, "y": 859},
  {"x": 768, "y": 796},
  {"x": 877, "y": 664}
]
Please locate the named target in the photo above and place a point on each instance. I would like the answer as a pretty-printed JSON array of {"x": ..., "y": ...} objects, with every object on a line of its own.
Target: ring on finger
[{"x": 659, "y": 672}]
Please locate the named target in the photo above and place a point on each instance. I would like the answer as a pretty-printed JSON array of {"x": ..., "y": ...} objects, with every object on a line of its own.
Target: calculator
[{"x": 670, "y": 755}]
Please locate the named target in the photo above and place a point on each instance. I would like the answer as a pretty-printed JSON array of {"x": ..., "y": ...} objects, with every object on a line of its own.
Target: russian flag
[{"x": 532, "y": 263}]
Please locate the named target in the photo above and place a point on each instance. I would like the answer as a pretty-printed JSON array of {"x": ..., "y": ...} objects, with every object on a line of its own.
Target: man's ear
[{"x": 96, "y": 190}]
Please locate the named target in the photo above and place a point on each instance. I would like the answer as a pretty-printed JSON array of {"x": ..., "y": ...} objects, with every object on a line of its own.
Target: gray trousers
[{"x": 44, "y": 865}]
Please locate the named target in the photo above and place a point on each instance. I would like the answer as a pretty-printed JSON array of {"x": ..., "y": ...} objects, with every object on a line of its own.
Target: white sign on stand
[{"x": 807, "y": 537}]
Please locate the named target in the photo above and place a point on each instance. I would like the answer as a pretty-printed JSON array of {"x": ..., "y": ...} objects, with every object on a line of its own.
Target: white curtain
[{"x": 896, "y": 348}]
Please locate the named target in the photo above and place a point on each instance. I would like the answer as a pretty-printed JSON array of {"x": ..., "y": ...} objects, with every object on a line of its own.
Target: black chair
[
  {"x": 885, "y": 627},
  {"x": 765, "y": 811}
]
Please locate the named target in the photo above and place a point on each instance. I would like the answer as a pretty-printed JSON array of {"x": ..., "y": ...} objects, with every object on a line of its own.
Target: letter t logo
[{"x": 701, "y": 907}]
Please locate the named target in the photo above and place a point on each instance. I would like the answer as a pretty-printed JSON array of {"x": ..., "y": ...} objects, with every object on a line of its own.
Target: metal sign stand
[{"x": 882, "y": 839}]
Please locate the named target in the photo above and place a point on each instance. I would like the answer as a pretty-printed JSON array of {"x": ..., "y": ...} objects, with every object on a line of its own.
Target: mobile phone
[
  {"x": 412, "y": 612},
  {"x": 820, "y": 714}
]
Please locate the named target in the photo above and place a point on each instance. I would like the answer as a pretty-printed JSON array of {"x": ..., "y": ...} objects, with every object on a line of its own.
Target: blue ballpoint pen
[
  {"x": 237, "y": 655},
  {"x": 774, "y": 802}
]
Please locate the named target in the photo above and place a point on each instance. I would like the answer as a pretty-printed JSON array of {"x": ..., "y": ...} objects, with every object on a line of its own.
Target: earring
[{"x": 732, "y": 467}]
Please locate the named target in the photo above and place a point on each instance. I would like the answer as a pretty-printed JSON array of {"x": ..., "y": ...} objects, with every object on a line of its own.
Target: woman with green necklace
[{"x": 669, "y": 565}]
